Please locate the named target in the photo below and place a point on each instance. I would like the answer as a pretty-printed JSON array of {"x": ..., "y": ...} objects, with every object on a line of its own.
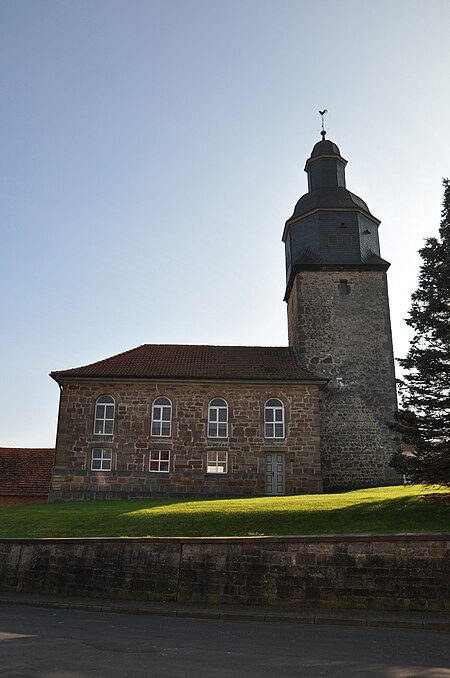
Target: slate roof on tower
[
  {"x": 183, "y": 361},
  {"x": 337, "y": 198}
]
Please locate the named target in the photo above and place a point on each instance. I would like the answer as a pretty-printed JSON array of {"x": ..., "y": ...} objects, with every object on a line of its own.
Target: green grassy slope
[{"x": 383, "y": 509}]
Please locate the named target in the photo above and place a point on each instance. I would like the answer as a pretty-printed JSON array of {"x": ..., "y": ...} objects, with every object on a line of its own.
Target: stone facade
[
  {"x": 347, "y": 338},
  {"x": 131, "y": 443},
  {"x": 390, "y": 572}
]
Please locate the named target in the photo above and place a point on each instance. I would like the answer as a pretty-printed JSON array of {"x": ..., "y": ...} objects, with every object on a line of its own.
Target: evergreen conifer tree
[{"x": 425, "y": 389}]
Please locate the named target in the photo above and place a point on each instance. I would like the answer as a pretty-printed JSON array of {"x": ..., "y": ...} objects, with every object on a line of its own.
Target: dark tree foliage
[{"x": 424, "y": 422}]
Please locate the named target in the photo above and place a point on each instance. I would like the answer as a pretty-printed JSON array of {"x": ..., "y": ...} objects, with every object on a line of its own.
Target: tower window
[
  {"x": 346, "y": 239},
  {"x": 332, "y": 239},
  {"x": 344, "y": 287}
]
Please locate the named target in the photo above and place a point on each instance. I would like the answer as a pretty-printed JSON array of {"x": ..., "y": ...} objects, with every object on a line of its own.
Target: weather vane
[{"x": 323, "y": 132}]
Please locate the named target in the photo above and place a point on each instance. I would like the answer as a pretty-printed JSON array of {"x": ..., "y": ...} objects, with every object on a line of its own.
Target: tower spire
[{"x": 323, "y": 132}]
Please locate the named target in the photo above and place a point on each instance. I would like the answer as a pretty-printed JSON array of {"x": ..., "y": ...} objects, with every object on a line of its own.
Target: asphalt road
[{"x": 48, "y": 643}]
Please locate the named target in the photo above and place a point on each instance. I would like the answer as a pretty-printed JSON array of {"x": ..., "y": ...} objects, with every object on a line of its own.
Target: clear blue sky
[{"x": 151, "y": 152}]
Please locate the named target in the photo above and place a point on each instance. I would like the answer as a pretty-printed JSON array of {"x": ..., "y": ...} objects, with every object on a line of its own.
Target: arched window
[
  {"x": 218, "y": 418},
  {"x": 274, "y": 419},
  {"x": 161, "y": 417},
  {"x": 104, "y": 415}
]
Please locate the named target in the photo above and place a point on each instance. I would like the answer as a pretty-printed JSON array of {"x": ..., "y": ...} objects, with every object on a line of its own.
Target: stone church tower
[{"x": 338, "y": 320}]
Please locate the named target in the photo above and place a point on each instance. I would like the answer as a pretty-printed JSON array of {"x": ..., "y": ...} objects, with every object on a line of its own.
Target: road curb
[{"x": 255, "y": 616}]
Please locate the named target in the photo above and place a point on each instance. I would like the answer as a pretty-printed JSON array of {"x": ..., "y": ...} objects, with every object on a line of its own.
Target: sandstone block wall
[
  {"x": 405, "y": 572},
  {"x": 188, "y": 444},
  {"x": 347, "y": 338}
]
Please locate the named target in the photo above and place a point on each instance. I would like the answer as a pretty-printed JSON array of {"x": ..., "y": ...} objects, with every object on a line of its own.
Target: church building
[{"x": 182, "y": 420}]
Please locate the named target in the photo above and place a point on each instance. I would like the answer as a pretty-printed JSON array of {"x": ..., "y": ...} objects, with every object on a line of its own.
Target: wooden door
[{"x": 274, "y": 473}]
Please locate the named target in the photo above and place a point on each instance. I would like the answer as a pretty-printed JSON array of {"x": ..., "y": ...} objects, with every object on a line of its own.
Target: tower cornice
[
  {"x": 377, "y": 264},
  {"x": 334, "y": 156}
]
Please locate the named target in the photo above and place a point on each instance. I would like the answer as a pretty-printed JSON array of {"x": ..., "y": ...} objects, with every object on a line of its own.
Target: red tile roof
[
  {"x": 25, "y": 471},
  {"x": 181, "y": 361}
]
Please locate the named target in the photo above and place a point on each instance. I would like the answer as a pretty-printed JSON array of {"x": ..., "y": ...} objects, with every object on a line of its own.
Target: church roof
[
  {"x": 25, "y": 471},
  {"x": 183, "y": 361}
]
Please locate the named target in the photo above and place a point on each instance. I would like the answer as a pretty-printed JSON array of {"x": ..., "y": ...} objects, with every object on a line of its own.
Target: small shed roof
[{"x": 26, "y": 471}]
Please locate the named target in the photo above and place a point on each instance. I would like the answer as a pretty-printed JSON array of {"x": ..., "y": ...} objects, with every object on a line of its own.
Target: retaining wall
[{"x": 400, "y": 572}]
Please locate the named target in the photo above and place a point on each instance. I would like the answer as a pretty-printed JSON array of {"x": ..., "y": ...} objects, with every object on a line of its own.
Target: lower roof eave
[{"x": 313, "y": 381}]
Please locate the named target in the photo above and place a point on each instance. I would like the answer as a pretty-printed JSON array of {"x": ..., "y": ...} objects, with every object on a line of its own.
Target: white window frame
[
  {"x": 155, "y": 457},
  {"x": 157, "y": 423},
  {"x": 214, "y": 425},
  {"x": 217, "y": 462},
  {"x": 272, "y": 419},
  {"x": 104, "y": 456},
  {"x": 101, "y": 420}
]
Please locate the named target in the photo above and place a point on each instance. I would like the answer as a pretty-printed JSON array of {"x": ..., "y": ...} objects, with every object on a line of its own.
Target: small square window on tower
[
  {"x": 346, "y": 239},
  {"x": 332, "y": 240},
  {"x": 344, "y": 287}
]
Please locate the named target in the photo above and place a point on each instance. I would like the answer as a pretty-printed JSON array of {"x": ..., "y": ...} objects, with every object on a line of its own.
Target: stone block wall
[
  {"x": 347, "y": 338},
  {"x": 188, "y": 444},
  {"x": 392, "y": 572}
]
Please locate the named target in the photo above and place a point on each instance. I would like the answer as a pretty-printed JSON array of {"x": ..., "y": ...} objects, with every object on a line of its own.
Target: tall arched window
[
  {"x": 161, "y": 416},
  {"x": 274, "y": 419},
  {"x": 218, "y": 418},
  {"x": 104, "y": 415}
]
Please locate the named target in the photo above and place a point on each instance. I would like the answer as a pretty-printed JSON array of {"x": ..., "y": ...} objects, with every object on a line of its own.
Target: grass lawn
[{"x": 381, "y": 509}]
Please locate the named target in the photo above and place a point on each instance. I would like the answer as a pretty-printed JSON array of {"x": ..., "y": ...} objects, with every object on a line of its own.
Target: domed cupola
[
  {"x": 330, "y": 226},
  {"x": 326, "y": 166}
]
